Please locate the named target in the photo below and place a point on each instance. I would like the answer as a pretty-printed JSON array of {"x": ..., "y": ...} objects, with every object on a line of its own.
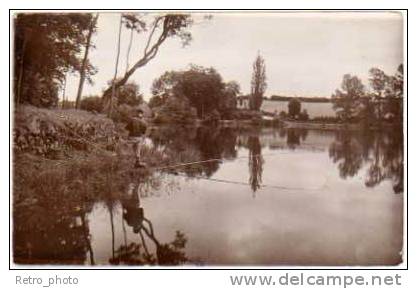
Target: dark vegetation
[{"x": 302, "y": 99}]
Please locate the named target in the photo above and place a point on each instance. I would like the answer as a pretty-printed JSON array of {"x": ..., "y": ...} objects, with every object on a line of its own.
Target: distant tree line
[{"x": 302, "y": 99}]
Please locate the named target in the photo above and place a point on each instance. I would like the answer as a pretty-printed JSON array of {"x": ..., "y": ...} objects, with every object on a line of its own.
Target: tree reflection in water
[
  {"x": 380, "y": 153},
  {"x": 51, "y": 206},
  {"x": 295, "y": 136},
  {"x": 138, "y": 253},
  {"x": 256, "y": 162},
  {"x": 196, "y": 144}
]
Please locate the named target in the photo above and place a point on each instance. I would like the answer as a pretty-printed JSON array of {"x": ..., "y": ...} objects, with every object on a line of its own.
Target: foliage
[
  {"x": 47, "y": 46},
  {"x": 346, "y": 101},
  {"x": 283, "y": 114},
  {"x": 128, "y": 94},
  {"x": 304, "y": 115},
  {"x": 258, "y": 83},
  {"x": 326, "y": 119},
  {"x": 91, "y": 103},
  {"x": 302, "y": 99},
  {"x": 203, "y": 88},
  {"x": 52, "y": 133},
  {"x": 175, "y": 111},
  {"x": 387, "y": 93},
  {"x": 294, "y": 108},
  {"x": 129, "y": 117},
  {"x": 244, "y": 114},
  {"x": 228, "y": 101},
  {"x": 155, "y": 101}
]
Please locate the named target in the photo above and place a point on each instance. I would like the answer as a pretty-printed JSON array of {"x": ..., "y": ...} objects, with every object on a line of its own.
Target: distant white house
[{"x": 243, "y": 101}]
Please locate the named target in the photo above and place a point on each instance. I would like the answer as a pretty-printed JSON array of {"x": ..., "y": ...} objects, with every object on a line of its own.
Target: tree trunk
[
  {"x": 128, "y": 49},
  {"x": 20, "y": 79},
  {"x": 113, "y": 86},
  {"x": 84, "y": 63},
  {"x": 63, "y": 91},
  {"x": 148, "y": 55}
]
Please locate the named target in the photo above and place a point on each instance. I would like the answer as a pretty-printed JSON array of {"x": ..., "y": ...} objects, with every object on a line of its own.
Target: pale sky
[{"x": 306, "y": 54}]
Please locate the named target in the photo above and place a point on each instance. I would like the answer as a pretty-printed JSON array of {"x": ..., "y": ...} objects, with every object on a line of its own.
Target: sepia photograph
[{"x": 207, "y": 138}]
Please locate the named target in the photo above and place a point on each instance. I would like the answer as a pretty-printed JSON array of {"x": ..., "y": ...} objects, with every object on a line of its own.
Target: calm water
[{"x": 263, "y": 197}]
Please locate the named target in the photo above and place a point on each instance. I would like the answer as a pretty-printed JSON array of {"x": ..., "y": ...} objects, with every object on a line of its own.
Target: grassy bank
[{"x": 72, "y": 152}]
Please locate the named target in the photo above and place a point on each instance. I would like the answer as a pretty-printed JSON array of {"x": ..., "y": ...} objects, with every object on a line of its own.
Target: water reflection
[
  {"x": 138, "y": 253},
  {"x": 55, "y": 213},
  {"x": 255, "y": 163},
  {"x": 381, "y": 154}
]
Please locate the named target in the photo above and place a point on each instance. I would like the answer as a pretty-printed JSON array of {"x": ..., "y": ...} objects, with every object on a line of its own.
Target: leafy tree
[
  {"x": 394, "y": 95},
  {"x": 228, "y": 101},
  {"x": 203, "y": 88},
  {"x": 155, "y": 101},
  {"x": 398, "y": 82},
  {"x": 379, "y": 82},
  {"x": 46, "y": 47},
  {"x": 128, "y": 94},
  {"x": 175, "y": 110},
  {"x": 258, "y": 83},
  {"x": 294, "y": 107},
  {"x": 346, "y": 101}
]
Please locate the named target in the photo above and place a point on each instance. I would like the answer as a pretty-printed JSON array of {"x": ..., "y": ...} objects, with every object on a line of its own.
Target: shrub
[
  {"x": 283, "y": 114},
  {"x": 304, "y": 115},
  {"x": 92, "y": 104},
  {"x": 175, "y": 110}
]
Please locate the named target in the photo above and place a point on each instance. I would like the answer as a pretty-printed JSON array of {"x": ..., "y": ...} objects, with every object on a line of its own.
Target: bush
[
  {"x": 243, "y": 114},
  {"x": 304, "y": 115},
  {"x": 92, "y": 104},
  {"x": 175, "y": 110},
  {"x": 123, "y": 113},
  {"x": 326, "y": 119}
]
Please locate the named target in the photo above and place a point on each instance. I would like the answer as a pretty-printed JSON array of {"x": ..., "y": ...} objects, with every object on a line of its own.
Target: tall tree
[
  {"x": 346, "y": 101},
  {"x": 168, "y": 26},
  {"x": 294, "y": 107},
  {"x": 258, "y": 83},
  {"x": 46, "y": 46},
  {"x": 83, "y": 69}
]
